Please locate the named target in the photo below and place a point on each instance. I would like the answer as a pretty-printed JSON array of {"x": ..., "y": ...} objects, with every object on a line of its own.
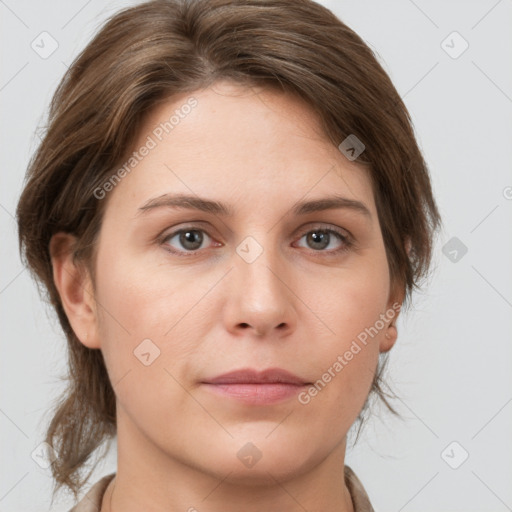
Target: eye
[
  {"x": 320, "y": 238},
  {"x": 188, "y": 240}
]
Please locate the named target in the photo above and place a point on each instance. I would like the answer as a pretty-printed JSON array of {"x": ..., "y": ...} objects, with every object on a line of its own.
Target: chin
[{"x": 259, "y": 460}]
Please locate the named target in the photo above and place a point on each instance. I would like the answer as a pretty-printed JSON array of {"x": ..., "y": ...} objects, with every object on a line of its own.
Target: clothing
[{"x": 91, "y": 502}]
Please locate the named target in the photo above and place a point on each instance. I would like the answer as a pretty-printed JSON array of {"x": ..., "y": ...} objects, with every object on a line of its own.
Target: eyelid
[{"x": 322, "y": 226}]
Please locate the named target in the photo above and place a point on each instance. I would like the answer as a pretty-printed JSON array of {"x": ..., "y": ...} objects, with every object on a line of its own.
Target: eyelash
[{"x": 346, "y": 240}]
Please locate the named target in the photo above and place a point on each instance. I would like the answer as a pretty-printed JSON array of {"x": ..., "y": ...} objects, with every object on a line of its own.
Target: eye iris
[
  {"x": 321, "y": 237},
  {"x": 191, "y": 237}
]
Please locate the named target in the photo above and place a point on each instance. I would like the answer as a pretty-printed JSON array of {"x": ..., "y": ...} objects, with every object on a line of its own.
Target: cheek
[
  {"x": 146, "y": 336},
  {"x": 140, "y": 295},
  {"x": 136, "y": 307},
  {"x": 352, "y": 299},
  {"x": 350, "y": 311}
]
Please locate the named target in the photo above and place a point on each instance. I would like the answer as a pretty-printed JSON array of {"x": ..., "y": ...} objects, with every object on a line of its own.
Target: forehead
[{"x": 258, "y": 147}]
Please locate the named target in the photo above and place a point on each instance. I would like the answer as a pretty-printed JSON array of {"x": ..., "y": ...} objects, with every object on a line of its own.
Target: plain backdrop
[{"x": 451, "y": 366}]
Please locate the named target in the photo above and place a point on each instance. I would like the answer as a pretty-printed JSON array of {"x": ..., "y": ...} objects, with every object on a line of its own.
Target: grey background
[{"x": 452, "y": 363}]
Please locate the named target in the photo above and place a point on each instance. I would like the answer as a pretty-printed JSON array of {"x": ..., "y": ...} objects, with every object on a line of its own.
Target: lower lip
[{"x": 256, "y": 393}]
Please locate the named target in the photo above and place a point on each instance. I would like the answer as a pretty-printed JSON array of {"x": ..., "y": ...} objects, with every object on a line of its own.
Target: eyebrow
[{"x": 218, "y": 208}]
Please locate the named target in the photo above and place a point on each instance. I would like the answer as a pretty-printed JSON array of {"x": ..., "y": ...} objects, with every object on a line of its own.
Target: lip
[
  {"x": 257, "y": 387},
  {"x": 250, "y": 376}
]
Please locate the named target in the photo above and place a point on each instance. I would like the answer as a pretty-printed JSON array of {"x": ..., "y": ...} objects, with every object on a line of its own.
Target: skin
[{"x": 295, "y": 307}]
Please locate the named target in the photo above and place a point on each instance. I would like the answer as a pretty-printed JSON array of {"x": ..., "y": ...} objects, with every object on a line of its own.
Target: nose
[{"x": 260, "y": 296}]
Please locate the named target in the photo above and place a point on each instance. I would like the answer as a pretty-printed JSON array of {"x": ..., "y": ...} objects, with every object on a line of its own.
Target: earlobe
[
  {"x": 394, "y": 305},
  {"x": 389, "y": 339},
  {"x": 75, "y": 289}
]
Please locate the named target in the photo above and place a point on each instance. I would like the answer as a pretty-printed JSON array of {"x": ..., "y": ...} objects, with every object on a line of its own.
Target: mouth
[{"x": 257, "y": 387}]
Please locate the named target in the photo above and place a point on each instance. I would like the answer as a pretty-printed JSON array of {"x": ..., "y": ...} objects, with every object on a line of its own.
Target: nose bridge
[{"x": 258, "y": 262}]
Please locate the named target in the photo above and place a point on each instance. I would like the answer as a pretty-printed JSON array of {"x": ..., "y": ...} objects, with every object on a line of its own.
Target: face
[{"x": 266, "y": 276}]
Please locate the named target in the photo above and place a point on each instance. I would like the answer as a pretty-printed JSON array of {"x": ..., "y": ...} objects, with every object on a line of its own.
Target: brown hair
[{"x": 148, "y": 53}]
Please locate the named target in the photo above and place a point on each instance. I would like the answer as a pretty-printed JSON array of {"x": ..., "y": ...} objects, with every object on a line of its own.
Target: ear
[
  {"x": 390, "y": 331},
  {"x": 74, "y": 284},
  {"x": 396, "y": 298}
]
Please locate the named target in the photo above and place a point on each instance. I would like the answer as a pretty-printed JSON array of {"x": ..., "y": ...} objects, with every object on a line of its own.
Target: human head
[{"x": 151, "y": 53}]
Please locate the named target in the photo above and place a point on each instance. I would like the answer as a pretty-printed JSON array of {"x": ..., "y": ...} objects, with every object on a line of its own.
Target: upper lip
[{"x": 250, "y": 376}]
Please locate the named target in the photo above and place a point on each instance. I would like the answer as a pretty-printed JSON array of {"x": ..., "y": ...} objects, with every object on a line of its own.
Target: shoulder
[
  {"x": 360, "y": 499},
  {"x": 91, "y": 502}
]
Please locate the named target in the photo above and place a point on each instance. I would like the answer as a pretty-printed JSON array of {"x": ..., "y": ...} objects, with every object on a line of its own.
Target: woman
[{"x": 228, "y": 211}]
